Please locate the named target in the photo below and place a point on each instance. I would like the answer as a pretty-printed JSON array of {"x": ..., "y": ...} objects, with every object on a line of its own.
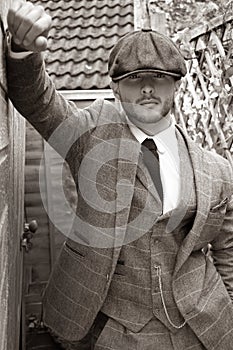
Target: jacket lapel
[
  {"x": 142, "y": 172},
  {"x": 186, "y": 186},
  {"x": 129, "y": 149},
  {"x": 202, "y": 182}
]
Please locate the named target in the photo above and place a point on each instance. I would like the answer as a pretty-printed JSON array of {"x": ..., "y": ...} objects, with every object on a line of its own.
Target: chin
[
  {"x": 149, "y": 117},
  {"x": 146, "y": 121},
  {"x": 142, "y": 114}
]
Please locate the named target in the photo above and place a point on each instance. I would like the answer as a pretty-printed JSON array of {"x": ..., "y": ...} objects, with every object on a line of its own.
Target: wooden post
[
  {"x": 157, "y": 17},
  {"x": 11, "y": 205},
  {"x": 141, "y": 15},
  {"x": 148, "y": 14}
]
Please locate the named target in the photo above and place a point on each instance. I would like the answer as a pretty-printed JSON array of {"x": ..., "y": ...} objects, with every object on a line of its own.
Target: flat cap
[{"x": 145, "y": 51}]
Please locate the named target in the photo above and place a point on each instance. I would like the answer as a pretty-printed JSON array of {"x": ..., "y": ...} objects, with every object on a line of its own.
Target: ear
[{"x": 115, "y": 88}]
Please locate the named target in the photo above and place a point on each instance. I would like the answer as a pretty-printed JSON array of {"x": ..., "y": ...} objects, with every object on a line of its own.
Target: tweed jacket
[{"x": 79, "y": 284}]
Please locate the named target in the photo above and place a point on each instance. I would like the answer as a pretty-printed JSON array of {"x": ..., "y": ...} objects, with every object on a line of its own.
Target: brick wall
[{"x": 11, "y": 206}]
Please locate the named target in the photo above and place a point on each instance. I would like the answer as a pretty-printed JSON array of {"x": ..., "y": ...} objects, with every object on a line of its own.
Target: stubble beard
[{"x": 136, "y": 112}]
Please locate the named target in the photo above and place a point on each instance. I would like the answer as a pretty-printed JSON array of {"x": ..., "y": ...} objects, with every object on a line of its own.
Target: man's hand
[{"x": 29, "y": 26}]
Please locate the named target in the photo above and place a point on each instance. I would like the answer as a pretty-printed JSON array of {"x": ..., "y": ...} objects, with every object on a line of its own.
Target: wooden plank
[
  {"x": 4, "y": 171},
  {"x": 215, "y": 39},
  {"x": 31, "y": 156},
  {"x": 3, "y": 8},
  {"x": 141, "y": 14},
  {"x": 11, "y": 206},
  {"x": 214, "y": 23},
  {"x": 35, "y": 292},
  {"x": 35, "y": 212},
  {"x": 40, "y": 272},
  {"x": 4, "y": 283},
  {"x": 4, "y": 136},
  {"x": 33, "y": 186},
  {"x": 17, "y": 138},
  {"x": 157, "y": 16}
]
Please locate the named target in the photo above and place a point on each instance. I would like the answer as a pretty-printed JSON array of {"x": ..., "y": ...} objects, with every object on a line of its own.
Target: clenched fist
[{"x": 29, "y": 26}]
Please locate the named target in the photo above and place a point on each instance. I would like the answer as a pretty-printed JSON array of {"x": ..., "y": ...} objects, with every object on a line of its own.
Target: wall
[{"x": 11, "y": 206}]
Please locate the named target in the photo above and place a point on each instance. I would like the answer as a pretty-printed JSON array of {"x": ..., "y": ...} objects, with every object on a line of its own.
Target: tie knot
[{"x": 150, "y": 144}]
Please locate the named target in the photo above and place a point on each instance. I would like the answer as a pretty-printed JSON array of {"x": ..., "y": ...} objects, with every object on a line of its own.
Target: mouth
[{"x": 150, "y": 102}]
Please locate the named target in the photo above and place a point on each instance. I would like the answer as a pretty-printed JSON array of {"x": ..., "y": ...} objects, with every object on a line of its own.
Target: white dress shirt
[{"x": 169, "y": 161}]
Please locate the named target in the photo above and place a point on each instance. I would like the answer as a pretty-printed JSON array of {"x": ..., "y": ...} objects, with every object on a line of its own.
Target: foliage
[{"x": 190, "y": 13}]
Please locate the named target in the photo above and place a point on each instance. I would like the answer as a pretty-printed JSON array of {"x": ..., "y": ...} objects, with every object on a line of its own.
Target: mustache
[{"x": 152, "y": 99}]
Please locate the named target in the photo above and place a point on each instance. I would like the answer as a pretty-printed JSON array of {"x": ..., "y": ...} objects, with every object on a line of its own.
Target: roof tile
[{"x": 82, "y": 35}]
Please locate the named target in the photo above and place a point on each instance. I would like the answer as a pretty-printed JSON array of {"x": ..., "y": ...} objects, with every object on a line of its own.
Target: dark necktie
[{"x": 151, "y": 160}]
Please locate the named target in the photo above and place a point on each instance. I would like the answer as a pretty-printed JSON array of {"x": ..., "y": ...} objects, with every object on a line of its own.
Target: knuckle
[
  {"x": 49, "y": 19},
  {"x": 29, "y": 5},
  {"x": 40, "y": 8},
  {"x": 27, "y": 21},
  {"x": 37, "y": 27},
  {"x": 26, "y": 42},
  {"x": 23, "y": 23},
  {"x": 19, "y": 17},
  {"x": 25, "y": 8}
]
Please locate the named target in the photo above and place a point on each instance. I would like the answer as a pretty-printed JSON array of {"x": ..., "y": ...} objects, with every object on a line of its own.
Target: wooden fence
[
  {"x": 204, "y": 104},
  {"x": 11, "y": 205}
]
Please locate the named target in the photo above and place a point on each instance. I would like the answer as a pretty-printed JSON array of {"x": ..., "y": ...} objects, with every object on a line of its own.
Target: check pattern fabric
[
  {"x": 154, "y": 336},
  {"x": 79, "y": 284},
  {"x": 134, "y": 299},
  {"x": 88, "y": 342},
  {"x": 114, "y": 336}
]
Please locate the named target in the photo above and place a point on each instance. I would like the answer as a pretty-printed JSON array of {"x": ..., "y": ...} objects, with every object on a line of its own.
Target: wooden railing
[{"x": 204, "y": 104}]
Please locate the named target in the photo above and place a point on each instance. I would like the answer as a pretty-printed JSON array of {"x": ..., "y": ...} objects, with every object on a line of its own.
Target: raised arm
[{"x": 29, "y": 86}]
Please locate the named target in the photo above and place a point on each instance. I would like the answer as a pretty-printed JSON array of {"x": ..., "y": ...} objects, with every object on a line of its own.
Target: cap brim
[{"x": 147, "y": 70}]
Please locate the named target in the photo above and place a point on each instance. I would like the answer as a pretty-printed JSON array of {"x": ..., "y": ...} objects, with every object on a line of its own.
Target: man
[{"x": 134, "y": 273}]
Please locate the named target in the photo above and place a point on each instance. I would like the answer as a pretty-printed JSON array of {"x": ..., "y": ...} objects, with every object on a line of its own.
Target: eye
[
  {"x": 160, "y": 76},
  {"x": 134, "y": 76}
]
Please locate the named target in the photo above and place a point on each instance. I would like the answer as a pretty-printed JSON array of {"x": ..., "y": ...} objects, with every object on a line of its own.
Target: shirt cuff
[
  {"x": 13, "y": 54},
  {"x": 18, "y": 55}
]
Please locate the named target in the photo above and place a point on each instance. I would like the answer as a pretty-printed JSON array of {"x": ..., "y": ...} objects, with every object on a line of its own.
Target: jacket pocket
[{"x": 214, "y": 222}]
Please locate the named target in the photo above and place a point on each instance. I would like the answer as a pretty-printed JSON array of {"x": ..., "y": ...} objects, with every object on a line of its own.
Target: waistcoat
[{"x": 137, "y": 293}]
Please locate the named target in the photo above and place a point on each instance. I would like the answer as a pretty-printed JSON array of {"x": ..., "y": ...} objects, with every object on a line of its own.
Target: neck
[{"x": 157, "y": 127}]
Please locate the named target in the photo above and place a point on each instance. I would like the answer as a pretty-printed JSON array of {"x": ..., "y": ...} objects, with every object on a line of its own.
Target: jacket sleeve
[
  {"x": 34, "y": 95},
  {"x": 222, "y": 246}
]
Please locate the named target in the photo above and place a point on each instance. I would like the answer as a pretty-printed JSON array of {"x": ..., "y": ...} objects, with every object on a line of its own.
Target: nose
[{"x": 147, "y": 88}]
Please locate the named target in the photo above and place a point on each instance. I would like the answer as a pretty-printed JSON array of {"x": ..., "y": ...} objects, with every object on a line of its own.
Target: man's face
[{"x": 146, "y": 97}]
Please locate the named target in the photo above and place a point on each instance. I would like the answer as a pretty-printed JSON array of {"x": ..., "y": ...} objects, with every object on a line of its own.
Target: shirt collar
[{"x": 161, "y": 139}]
